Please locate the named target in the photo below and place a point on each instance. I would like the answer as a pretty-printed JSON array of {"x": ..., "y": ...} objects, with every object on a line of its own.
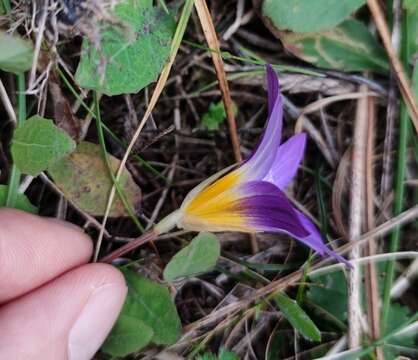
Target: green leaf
[
  {"x": 398, "y": 315},
  {"x": 297, "y": 317},
  {"x": 84, "y": 179},
  {"x": 227, "y": 355},
  {"x": 308, "y": 15},
  {"x": 207, "y": 356},
  {"x": 216, "y": 115},
  {"x": 16, "y": 53},
  {"x": 223, "y": 355},
  {"x": 348, "y": 47},
  {"x": 22, "y": 202},
  {"x": 411, "y": 31},
  {"x": 410, "y": 5},
  {"x": 133, "y": 55},
  {"x": 151, "y": 303},
  {"x": 39, "y": 143},
  {"x": 199, "y": 256},
  {"x": 128, "y": 335},
  {"x": 329, "y": 291}
]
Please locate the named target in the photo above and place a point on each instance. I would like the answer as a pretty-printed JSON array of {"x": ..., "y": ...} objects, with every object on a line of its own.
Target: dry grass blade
[
  {"x": 370, "y": 278},
  {"x": 338, "y": 192},
  {"x": 317, "y": 105},
  {"x": 401, "y": 77},
  {"x": 356, "y": 218},
  {"x": 213, "y": 42}
]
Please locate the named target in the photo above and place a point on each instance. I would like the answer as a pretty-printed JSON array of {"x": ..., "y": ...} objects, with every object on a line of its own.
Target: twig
[
  {"x": 356, "y": 218},
  {"x": 38, "y": 44},
  {"x": 213, "y": 43},
  {"x": 404, "y": 281},
  {"x": 7, "y": 104},
  {"x": 306, "y": 124},
  {"x": 370, "y": 278},
  {"x": 393, "y": 104},
  {"x": 328, "y": 135},
  {"x": 338, "y": 189},
  {"x": 401, "y": 77},
  {"x": 237, "y": 22}
]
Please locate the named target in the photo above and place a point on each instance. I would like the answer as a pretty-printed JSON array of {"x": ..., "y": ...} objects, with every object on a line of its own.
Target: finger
[
  {"x": 34, "y": 250},
  {"x": 68, "y": 318}
]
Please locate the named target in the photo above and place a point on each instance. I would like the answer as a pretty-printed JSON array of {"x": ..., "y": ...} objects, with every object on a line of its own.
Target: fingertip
[
  {"x": 34, "y": 250},
  {"x": 69, "y": 317}
]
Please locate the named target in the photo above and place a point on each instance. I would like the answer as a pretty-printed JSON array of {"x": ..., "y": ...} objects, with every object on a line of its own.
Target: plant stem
[
  {"x": 397, "y": 209},
  {"x": 404, "y": 131},
  {"x": 141, "y": 240},
  {"x": 14, "y": 179},
  {"x": 6, "y": 5}
]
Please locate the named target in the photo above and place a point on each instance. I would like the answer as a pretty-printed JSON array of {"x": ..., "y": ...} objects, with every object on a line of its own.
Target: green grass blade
[{"x": 14, "y": 180}]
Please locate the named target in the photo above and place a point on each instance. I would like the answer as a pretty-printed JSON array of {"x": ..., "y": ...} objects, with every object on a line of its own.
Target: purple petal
[
  {"x": 260, "y": 162},
  {"x": 266, "y": 208},
  {"x": 272, "y": 87},
  {"x": 314, "y": 240},
  {"x": 287, "y": 161}
]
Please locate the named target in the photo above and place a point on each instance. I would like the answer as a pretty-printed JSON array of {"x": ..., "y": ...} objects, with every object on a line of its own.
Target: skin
[{"x": 53, "y": 304}]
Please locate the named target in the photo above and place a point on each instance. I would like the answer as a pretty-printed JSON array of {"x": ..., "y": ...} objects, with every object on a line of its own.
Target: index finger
[{"x": 34, "y": 250}]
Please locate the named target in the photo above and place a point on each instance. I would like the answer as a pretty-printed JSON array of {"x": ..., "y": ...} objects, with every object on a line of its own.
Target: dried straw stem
[
  {"x": 372, "y": 291},
  {"x": 213, "y": 42},
  {"x": 356, "y": 218},
  {"x": 401, "y": 77}
]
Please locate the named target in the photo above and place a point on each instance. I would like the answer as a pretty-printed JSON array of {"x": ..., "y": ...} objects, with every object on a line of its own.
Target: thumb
[{"x": 68, "y": 318}]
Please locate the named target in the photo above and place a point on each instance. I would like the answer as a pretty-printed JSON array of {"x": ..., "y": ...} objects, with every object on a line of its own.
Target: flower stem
[{"x": 141, "y": 240}]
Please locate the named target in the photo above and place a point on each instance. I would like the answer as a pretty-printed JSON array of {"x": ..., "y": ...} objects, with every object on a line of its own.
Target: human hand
[{"x": 53, "y": 305}]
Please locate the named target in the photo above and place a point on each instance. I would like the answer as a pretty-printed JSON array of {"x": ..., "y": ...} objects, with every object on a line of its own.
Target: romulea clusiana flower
[{"x": 249, "y": 197}]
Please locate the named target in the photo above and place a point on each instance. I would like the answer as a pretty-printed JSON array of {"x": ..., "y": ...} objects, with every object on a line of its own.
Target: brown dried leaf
[{"x": 84, "y": 179}]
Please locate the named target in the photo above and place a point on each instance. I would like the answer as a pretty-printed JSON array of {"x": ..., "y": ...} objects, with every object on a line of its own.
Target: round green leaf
[
  {"x": 134, "y": 56},
  {"x": 308, "y": 15},
  {"x": 348, "y": 47},
  {"x": 22, "y": 202},
  {"x": 152, "y": 304},
  {"x": 16, "y": 53},
  {"x": 199, "y": 256},
  {"x": 128, "y": 335},
  {"x": 39, "y": 143}
]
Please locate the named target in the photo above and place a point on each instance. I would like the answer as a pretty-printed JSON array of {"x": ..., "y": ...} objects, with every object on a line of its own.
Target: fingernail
[{"x": 95, "y": 321}]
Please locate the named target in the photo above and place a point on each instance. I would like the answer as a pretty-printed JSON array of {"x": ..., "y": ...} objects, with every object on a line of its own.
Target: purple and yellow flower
[{"x": 250, "y": 198}]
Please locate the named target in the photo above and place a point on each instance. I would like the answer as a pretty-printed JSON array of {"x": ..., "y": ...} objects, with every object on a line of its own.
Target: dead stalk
[
  {"x": 213, "y": 42},
  {"x": 7, "y": 104},
  {"x": 370, "y": 278},
  {"x": 356, "y": 217},
  {"x": 398, "y": 69}
]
